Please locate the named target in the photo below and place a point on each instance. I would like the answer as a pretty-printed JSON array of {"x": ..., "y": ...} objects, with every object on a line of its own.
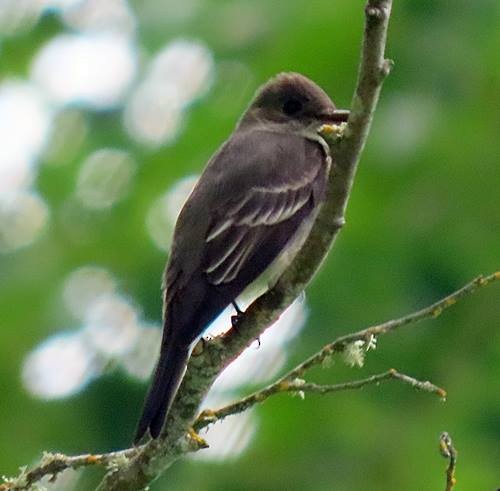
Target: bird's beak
[
  {"x": 332, "y": 122},
  {"x": 336, "y": 116}
]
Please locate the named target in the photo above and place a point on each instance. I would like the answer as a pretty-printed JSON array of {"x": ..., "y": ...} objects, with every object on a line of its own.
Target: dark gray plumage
[{"x": 254, "y": 204}]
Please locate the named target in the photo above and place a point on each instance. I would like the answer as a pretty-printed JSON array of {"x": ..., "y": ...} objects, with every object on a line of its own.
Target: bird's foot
[{"x": 236, "y": 320}]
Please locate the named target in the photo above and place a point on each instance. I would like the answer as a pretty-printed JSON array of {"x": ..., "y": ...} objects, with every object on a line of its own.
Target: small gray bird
[{"x": 250, "y": 212}]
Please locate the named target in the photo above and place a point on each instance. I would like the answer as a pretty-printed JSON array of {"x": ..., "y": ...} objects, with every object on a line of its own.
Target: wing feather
[
  {"x": 239, "y": 217},
  {"x": 231, "y": 243},
  {"x": 228, "y": 269},
  {"x": 234, "y": 238}
]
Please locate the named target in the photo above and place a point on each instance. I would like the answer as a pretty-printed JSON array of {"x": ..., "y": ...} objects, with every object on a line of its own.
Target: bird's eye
[{"x": 292, "y": 106}]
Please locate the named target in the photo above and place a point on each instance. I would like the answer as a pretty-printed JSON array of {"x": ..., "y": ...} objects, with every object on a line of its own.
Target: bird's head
[{"x": 294, "y": 101}]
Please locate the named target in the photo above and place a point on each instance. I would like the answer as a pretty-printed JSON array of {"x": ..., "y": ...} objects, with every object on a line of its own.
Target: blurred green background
[{"x": 105, "y": 106}]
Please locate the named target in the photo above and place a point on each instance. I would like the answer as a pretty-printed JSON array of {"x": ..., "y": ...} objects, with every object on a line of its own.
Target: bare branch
[
  {"x": 448, "y": 451},
  {"x": 298, "y": 386},
  {"x": 432, "y": 311},
  {"x": 53, "y": 464}
]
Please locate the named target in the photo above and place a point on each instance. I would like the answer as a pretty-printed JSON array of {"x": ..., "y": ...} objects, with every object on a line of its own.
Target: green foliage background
[{"x": 423, "y": 219}]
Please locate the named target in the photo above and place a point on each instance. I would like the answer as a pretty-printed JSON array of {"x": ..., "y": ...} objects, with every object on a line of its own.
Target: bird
[{"x": 249, "y": 213}]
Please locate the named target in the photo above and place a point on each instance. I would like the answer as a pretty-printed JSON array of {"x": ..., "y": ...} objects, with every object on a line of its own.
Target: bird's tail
[{"x": 167, "y": 378}]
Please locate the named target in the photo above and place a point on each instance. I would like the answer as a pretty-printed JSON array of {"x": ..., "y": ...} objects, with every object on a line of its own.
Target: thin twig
[
  {"x": 448, "y": 451},
  {"x": 340, "y": 345},
  {"x": 52, "y": 464},
  {"x": 431, "y": 311},
  {"x": 300, "y": 387}
]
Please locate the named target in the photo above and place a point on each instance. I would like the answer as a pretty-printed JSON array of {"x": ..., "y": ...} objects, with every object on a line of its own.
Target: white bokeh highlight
[
  {"x": 23, "y": 216},
  {"x": 60, "y": 366},
  {"x": 111, "y": 325},
  {"x": 98, "y": 15},
  {"x": 17, "y": 16},
  {"x": 179, "y": 73},
  {"x": 105, "y": 178},
  {"x": 93, "y": 69},
  {"x": 163, "y": 213},
  {"x": 140, "y": 361},
  {"x": 84, "y": 287},
  {"x": 68, "y": 125},
  {"x": 110, "y": 329},
  {"x": 228, "y": 439},
  {"x": 25, "y": 122}
]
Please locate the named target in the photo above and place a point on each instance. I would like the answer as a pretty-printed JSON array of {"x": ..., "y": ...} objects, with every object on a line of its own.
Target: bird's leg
[
  {"x": 236, "y": 319},
  {"x": 238, "y": 310}
]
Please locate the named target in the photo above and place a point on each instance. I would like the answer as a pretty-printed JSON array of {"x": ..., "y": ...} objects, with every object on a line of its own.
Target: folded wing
[{"x": 236, "y": 236}]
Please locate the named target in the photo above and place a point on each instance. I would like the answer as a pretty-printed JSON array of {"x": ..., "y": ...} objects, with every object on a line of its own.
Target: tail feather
[{"x": 167, "y": 378}]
